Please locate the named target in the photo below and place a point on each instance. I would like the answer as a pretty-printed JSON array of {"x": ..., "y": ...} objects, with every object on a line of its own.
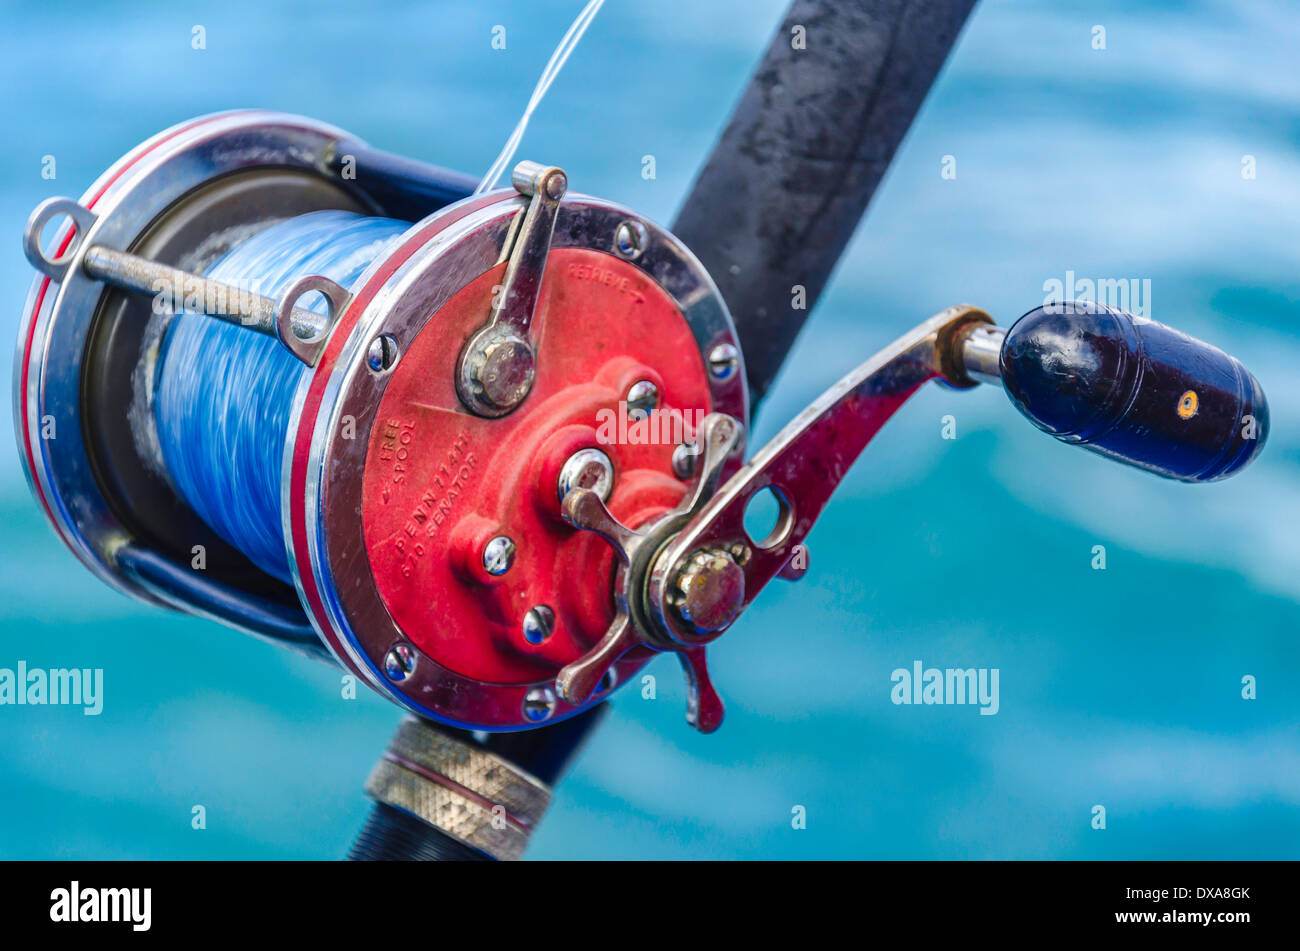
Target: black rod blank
[{"x": 809, "y": 141}]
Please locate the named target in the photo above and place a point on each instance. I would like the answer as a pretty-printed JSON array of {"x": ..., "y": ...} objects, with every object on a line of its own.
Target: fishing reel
[{"x": 504, "y": 450}]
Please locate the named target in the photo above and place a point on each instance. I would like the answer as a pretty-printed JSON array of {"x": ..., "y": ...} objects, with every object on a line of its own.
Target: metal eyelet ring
[
  {"x": 82, "y": 220},
  {"x": 308, "y": 349}
]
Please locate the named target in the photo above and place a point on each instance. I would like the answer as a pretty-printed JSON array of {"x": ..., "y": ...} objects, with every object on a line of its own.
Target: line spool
[{"x": 224, "y": 397}]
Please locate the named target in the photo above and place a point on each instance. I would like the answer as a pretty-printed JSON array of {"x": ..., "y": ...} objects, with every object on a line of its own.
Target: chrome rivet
[
  {"x": 630, "y": 239},
  {"x": 539, "y": 704},
  {"x": 557, "y": 183},
  {"x": 382, "y": 354},
  {"x": 538, "y": 624},
  {"x": 586, "y": 469},
  {"x": 498, "y": 555},
  {"x": 642, "y": 397},
  {"x": 723, "y": 361},
  {"x": 399, "y": 663}
]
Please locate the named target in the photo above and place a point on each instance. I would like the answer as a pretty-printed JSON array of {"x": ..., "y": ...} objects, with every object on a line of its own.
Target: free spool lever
[{"x": 1134, "y": 390}]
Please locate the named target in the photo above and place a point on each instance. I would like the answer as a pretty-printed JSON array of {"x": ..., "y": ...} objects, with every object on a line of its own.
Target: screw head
[
  {"x": 586, "y": 469},
  {"x": 382, "y": 354},
  {"x": 539, "y": 704},
  {"x": 630, "y": 239},
  {"x": 399, "y": 663},
  {"x": 498, "y": 555},
  {"x": 642, "y": 397},
  {"x": 538, "y": 624},
  {"x": 684, "y": 457},
  {"x": 724, "y": 360}
]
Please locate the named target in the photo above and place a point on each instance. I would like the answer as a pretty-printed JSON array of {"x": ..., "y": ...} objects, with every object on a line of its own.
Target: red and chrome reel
[{"x": 426, "y": 536}]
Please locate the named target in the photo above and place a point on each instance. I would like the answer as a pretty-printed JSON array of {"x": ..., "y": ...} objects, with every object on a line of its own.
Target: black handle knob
[{"x": 1134, "y": 390}]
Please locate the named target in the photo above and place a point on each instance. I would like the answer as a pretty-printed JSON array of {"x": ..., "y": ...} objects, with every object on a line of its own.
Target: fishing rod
[{"x": 329, "y": 396}]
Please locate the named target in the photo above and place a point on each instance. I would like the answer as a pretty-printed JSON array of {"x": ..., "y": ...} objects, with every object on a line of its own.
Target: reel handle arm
[
  {"x": 801, "y": 467},
  {"x": 1134, "y": 390}
]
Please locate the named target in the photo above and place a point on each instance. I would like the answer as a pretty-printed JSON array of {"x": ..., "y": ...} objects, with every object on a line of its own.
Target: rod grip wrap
[{"x": 472, "y": 795}]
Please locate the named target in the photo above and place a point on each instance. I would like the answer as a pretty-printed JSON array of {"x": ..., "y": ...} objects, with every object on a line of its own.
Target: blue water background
[{"x": 1118, "y": 687}]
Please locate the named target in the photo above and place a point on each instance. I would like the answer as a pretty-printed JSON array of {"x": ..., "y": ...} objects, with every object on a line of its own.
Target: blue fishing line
[{"x": 224, "y": 394}]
